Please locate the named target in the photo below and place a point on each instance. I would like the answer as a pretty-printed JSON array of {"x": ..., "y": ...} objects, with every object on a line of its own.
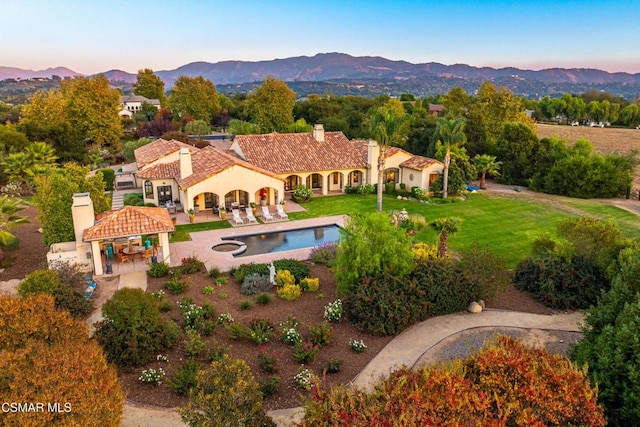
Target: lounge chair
[
  {"x": 266, "y": 215},
  {"x": 236, "y": 216},
  {"x": 280, "y": 212},
  {"x": 250, "y": 217}
]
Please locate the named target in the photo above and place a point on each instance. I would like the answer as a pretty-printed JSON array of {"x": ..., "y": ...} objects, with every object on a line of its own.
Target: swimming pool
[{"x": 279, "y": 241}]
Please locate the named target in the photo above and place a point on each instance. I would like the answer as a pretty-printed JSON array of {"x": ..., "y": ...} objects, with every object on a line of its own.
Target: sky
[{"x": 93, "y": 36}]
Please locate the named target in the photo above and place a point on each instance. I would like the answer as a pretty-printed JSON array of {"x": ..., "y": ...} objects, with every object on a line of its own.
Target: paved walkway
[{"x": 408, "y": 349}]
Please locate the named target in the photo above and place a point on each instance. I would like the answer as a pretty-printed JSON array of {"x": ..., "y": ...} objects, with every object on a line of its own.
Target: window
[
  {"x": 148, "y": 190},
  {"x": 335, "y": 178},
  {"x": 355, "y": 177}
]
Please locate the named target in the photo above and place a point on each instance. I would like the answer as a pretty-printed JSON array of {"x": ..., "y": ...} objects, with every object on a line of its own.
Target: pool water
[{"x": 286, "y": 240}]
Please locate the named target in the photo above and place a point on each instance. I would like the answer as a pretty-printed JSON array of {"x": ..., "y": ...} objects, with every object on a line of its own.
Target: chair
[
  {"x": 236, "y": 216},
  {"x": 266, "y": 215},
  {"x": 250, "y": 217},
  {"x": 122, "y": 258},
  {"x": 280, "y": 212}
]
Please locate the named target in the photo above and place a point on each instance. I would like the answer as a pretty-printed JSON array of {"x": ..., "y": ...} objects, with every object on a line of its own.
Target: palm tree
[
  {"x": 445, "y": 227},
  {"x": 486, "y": 165},
  {"x": 9, "y": 219},
  {"x": 386, "y": 127},
  {"x": 449, "y": 132}
]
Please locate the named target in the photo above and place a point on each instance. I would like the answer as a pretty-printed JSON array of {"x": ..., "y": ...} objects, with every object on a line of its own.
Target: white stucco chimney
[
  {"x": 373, "y": 154},
  {"x": 82, "y": 214},
  {"x": 318, "y": 132},
  {"x": 186, "y": 167}
]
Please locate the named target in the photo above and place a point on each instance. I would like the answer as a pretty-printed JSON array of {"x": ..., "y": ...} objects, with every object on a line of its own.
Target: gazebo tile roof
[
  {"x": 130, "y": 221},
  {"x": 157, "y": 149},
  {"x": 419, "y": 163}
]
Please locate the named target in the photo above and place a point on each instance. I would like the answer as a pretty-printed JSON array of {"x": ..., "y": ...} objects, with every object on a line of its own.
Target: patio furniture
[
  {"x": 250, "y": 217},
  {"x": 280, "y": 212},
  {"x": 171, "y": 207},
  {"x": 133, "y": 251},
  {"x": 236, "y": 216},
  {"x": 266, "y": 215},
  {"x": 122, "y": 258},
  {"x": 148, "y": 253}
]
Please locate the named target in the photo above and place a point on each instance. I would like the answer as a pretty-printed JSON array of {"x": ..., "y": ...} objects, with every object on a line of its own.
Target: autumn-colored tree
[
  {"x": 92, "y": 108},
  {"x": 53, "y": 199},
  {"x": 194, "y": 96},
  {"x": 48, "y": 357},
  {"x": 272, "y": 106},
  {"x": 149, "y": 85},
  {"x": 503, "y": 384}
]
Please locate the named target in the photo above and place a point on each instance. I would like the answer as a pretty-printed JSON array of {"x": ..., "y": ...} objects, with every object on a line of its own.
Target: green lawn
[{"x": 507, "y": 225}]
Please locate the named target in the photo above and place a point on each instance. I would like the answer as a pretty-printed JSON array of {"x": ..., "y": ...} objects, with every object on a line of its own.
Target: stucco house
[
  {"x": 131, "y": 104},
  {"x": 264, "y": 168}
]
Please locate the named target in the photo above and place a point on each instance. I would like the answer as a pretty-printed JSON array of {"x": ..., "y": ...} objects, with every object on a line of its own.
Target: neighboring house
[
  {"x": 131, "y": 104},
  {"x": 436, "y": 110},
  {"x": 262, "y": 168}
]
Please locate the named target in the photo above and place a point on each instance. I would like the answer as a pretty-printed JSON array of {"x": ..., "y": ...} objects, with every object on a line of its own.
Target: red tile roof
[
  {"x": 161, "y": 170},
  {"x": 301, "y": 152},
  {"x": 130, "y": 221},
  {"x": 157, "y": 149},
  {"x": 419, "y": 163}
]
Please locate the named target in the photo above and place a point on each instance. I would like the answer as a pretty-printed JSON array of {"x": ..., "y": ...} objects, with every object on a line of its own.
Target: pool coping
[{"x": 202, "y": 242}]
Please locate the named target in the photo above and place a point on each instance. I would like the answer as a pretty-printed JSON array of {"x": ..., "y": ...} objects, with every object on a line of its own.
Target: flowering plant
[
  {"x": 305, "y": 378},
  {"x": 162, "y": 358},
  {"x": 333, "y": 311},
  {"x": 305, "y": 351},
  {"x": 290, "y": 336},
  {"x": 357, "y": 345},
  {"x": 267, "y": 362},
  {"x": 191, "y": 265},
  {"x": 152, "y": 376},
  {"x": 225, "y": 318}
]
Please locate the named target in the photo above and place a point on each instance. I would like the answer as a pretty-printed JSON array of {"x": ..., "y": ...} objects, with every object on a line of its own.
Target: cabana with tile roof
[
  {"x": 325, "y": 160},
  {"x": 419, "y": 171},
  {"x": 128, "y": 222}
]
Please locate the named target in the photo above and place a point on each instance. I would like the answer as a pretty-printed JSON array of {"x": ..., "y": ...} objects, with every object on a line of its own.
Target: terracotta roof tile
[
  {"x": 130, "y": 221},
  {"x": 157, "y": 149},
  {"x": 301, "y": 152},
  {"x": 161, "y": 170},
  {"x": 419, "y": 163}
]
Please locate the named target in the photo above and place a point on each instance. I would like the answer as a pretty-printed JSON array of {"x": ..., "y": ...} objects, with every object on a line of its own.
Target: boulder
[{"x": 474, "y": 307}]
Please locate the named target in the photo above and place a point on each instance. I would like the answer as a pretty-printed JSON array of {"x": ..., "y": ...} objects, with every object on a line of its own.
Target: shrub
[
  {"x": 214, "y": 272},
  {"x": 152, "y": 376},
  {"x": 268, "y": 363},
  {"x": 268, "y": 387},
  {"x": 357, "y": 346},
  {"x": 333, "y": 311},
  {"x": 284, "y": 278},
  {"x": 193, "y": 314},
  {"x": 418, "y": 192},
  {"x": 484, "y": 271},
  {"x": 364, "y": 189},
  {"x": 445, "y": 286},
  {"x": 305, "y": 352},
  {"x": 239, "y": 273},
  {"x": 324, "y": 254},
  {"x": 208, "y": 290},
  {"x": 299, "y": 269},
  {"x": 238, "y": 331},
  {"x": 193, "y": 344},
  {"x": 289, "y": 292},
  {"x": 72, "y": 300},
  {"x": 264, "y": 298},
  {"x": 47, "y": 356},
  {"x": 261, "y": 330},
  {"x": 221, "y": 281},
  {"x": 133, "y": 331},
  {"x": 159, "y": 269},
  {"x": 225, "y": 318},
  {"x": 223, "y": 295},
  {"x": 254, "y": 283},
  {"x": 289, "y": 331},
  {"x": 309, "y": 284},
  {"x": 305, "y": 378},
  {"x": 559, "y": 283},
  {"x": 302, "y": 194},
  {"x": 320, "y": 333},
  {"x": 176, "y": 285},
  {"x": 185, "y": 377},
  {"x": 240, "y": 404},
  {"x": 334, "y": 366},
  {"x": 108, "y": 176},
  {"x": 245, "y": 304},
  {"x": 424, "y": 251},
  {"x": 390, "y": 187},
  {"x": 191, "y": 265},
  {"x": 43, "y": 281}
]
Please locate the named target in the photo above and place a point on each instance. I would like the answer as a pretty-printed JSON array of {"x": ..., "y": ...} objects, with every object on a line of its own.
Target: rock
[
  {"x": 474, "y": 307},
  {"x": 404, "y": 198},
  {"x": 399, "y": 198},
  {"x": 482, "y": 304}
]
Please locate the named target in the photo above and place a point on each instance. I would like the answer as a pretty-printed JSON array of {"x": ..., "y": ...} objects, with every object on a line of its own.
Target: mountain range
[{"x": 340, "y": 68}]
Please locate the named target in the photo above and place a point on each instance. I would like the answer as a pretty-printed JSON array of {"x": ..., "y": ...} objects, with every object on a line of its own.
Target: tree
[
  {"x": 131, "y": 146},
  {"x": 272, "y": 106},
  {"x": 300, "y": 126},
  {"x": 226, "y": 394},
  {"x": 11, "y": 140},
  {"x": 149, "y": 85},
  {"x": 9, "y": 220},
  {"x": 516, "y": 148},
  {"x": 445, "y": 228},
  {"x": 448, "y": 133},
  {"x": 48, "y": 357},
  {"x": 92, "y": 108},
  {"x": 37, "y": 159},
  {"x": 194, "y": 96},
  {"x": 53, "y": 198},
  {"x": 456, "y": 101},
  {"x": 198, "y": 128},
  {"x": 486, "y": 165},
  {"x": 386, "y": 126},
  {"x": 369, "y": 246}
]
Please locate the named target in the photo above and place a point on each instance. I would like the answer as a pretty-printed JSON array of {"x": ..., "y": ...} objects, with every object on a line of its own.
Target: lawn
[{"x": 182, "y": 231}]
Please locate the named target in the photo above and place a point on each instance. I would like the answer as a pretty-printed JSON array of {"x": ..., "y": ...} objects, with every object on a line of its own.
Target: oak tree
[
  {"x": 194, "y": 96},
  {"x": 149, "y": 85},
  {"x": 272, "y": 106}
]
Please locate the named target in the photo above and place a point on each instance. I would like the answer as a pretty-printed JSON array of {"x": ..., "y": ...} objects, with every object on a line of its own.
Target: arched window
[{"x": 148, "y": 190}]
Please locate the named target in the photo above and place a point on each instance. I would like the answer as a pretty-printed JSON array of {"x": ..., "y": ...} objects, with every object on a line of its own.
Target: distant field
[{"x": 605, "y": 140}]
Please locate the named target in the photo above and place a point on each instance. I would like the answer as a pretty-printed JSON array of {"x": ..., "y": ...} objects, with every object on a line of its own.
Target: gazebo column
[
  {"x": 97, "y": 258},
  {"x": 325, "y": 184},
  {"x": 164, "y": 244}
]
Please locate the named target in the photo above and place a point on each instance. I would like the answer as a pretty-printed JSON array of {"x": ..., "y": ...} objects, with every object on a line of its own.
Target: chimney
[
  {"x": 82, "y": 214},
  {"x": 373, "y": 155},
  {"x": 186, "y": 168},
  {"x": 318, "y": 132}
]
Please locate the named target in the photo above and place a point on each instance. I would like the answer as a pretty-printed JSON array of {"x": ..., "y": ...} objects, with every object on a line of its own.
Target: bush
[
  {"x": 264, "y": 298},
  {"x": 176, "y": 285},
  {"x": 193, "y": 344},
  {"x": 324, "y": 254},
  {"x": 72, "y": 300},
  {"x": 284, "y": 278},
  {"x": 40, "y": 281},
  {"x": 299, "y": 269},
  {"x": 320, "y": 333},
  {"x": 214, "y": 272},
  {"x": 159, "y": 269},
  {"x": 133, "y": 331},
  {"x": 254, "y": 283},
  {"x": 191, "y": 265},
  {"x": 309, "y": 284},
  {"x": 240, "y": 404},
  {"x": 485, "y": 272},
  {"x": 418, "y": 192},
  {"x": 133, "y": 199},
  {"x": 238, "y": 331},
  {"x": 108, "y": 176},
  {"x": 268, "y": 387},
  {"x": 185, "y": 378},
  {"x": 334, "y": 366},
  {"x": 333, "y": 311},
  {"x": 364, "y": 189},
  {"x": 239, "y": 273},
  {"x": 302, "y": 194},
  {"x": 245, "y": 304},
  {"x": 208, "y": 290},
  {"x": 424, "y": 251},
  {"x": 221, "y": 281},
  {"x": 289, "y": 292},
  {"x": 445, "y": 286},
  {"x": 305, "y": 352},
  {"x": 268, "y": 363},
  {"x": 390, "y": 187}
]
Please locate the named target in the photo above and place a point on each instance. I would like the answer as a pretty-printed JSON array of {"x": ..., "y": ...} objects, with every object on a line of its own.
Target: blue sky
[{"x": 95, "y": 36}]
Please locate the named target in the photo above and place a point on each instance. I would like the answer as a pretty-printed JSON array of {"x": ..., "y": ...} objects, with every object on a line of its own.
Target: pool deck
[{"x": 202, "y": 242}]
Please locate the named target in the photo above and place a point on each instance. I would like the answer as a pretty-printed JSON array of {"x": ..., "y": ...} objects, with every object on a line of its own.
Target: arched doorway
[
  {"x": 236, "y": 198},
  {"x": 291, "y": 182}
]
